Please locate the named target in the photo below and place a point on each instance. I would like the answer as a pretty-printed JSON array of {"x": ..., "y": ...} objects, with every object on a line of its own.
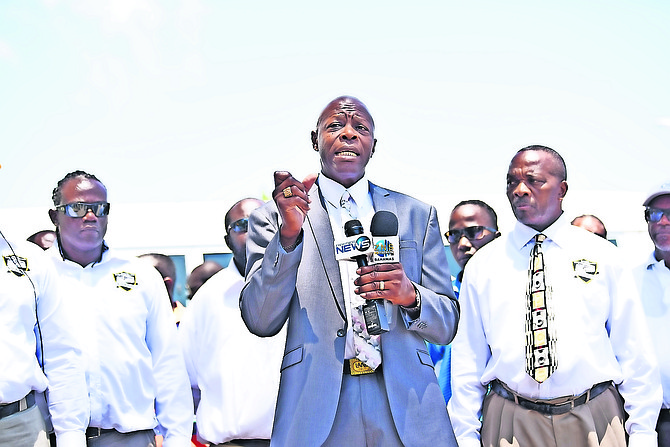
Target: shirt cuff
[
  {"x": 176, "y": 441},
  {"x": 643, "y": 440},
  {"x": 71, "y": 439},
  {"x": 469, "y": 442}
]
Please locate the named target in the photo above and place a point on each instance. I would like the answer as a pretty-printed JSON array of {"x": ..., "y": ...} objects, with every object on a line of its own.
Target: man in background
[
  {"x": 653, "y": 282},
  {"x": 200, "y": 275},
  {"x": 165, "y": 266},
  {"x": 472, "y": 225},
  {"x": 234, "y": 372},
  {"x": 591, "y": 223},
  {"x": 43, "y": 239}
]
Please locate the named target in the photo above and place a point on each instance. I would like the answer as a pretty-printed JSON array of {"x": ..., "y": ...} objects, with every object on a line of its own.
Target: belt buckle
[
  {"x": 357, "y": 367},
  {"x": 93, "y": 432}
]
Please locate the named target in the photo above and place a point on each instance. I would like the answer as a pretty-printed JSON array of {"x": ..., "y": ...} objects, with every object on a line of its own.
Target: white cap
[{"x": 660, "y": 190}]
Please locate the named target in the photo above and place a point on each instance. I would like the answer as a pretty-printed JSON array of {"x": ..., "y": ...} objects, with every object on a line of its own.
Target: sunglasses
[
  {"x": 654, "y": 215},
  {"x": 80, "y": 209},
  {"x": 472, "y": 233},
  {"x": 239, "y": 226}
]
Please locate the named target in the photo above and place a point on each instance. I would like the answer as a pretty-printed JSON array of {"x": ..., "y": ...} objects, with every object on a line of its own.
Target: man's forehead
[
  {"x": 79, "y": 184},
  {"x": 346, "y": 106},
  {"x": 470, "y": 213},
  {"x": 531, "y": 162},
  {"x": 663, "y": 200}
]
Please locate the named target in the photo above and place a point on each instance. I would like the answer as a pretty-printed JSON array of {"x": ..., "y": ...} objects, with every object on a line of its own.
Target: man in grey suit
[{"x": 293, "y": 274}]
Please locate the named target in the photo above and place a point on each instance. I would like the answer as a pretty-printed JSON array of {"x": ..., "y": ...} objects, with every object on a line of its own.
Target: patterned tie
[
  {"x": 366, "y": 346},
  {"x": 541, "y": 358}
]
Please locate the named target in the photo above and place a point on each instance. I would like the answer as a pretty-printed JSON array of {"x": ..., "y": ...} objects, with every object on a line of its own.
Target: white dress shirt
[
  {"x": 134, "y": 368},
  {"x": 601, "y": 333},
  {"x": 364, "y": 210},
  {"x": 236, "y": 371},
  {"x": 653, "y": 282},
  {"x": 27, "y": 340}
]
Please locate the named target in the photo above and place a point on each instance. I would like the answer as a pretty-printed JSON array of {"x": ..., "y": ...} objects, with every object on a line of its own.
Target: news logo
[
  {"x": 354, "y": 246},
  {"x": 385, "y": 250}
]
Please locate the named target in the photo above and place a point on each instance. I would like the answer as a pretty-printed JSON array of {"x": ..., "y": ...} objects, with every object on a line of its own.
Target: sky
[{"x": 183, "y": 107}]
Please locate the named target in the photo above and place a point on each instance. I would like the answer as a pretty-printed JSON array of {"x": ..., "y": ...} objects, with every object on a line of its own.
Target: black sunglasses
[
  {"x": 80, "y": 209},
  {"x": 472, "y": 233},
  {"x": 239, "y": 226},
  {"x": 654, "y": 215}
]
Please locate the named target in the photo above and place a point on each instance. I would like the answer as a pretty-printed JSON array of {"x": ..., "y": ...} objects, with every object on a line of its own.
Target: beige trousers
[{"x": 597, "y": 423}]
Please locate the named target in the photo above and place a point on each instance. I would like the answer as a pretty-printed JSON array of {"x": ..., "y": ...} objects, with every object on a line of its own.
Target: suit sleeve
[
  {"x": 438, "y": 317},
  {"x": 271, "y": 275}
]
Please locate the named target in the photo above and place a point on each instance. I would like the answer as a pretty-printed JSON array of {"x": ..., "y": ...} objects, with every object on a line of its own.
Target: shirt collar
[
  {"x": 332, "y": 191},
  {"x": 56, "y": 248},
  {"x": 558, "y": 232},
  {"x": 653, "y": 263}
]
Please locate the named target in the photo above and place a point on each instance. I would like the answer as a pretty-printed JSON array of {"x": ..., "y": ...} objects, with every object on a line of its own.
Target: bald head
[
  {"x": 591, "y": 223},
  {"x": 200, "y": 275}
]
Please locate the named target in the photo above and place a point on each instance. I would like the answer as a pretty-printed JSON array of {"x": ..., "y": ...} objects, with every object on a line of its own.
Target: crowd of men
[{"x": 544, "y": 337}]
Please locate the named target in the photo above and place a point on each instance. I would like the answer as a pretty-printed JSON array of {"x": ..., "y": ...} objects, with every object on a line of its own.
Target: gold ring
[
  {"x": 381, "y": 285},
  {"x": 287, "y": 192}
]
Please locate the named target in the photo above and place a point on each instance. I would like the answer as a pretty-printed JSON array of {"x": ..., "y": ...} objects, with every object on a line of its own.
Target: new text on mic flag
[{"x": 347, "y": 248}]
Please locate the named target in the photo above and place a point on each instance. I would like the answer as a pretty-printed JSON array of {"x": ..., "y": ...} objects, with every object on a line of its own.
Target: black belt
[
  {"x": 19, "y": 405},
  {"x": 95, "y": 432},
  {"x": 545, "y": 407}
]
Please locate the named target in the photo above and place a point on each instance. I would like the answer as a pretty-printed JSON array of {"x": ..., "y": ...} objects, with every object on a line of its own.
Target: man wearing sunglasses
[
  {"x": 472, "y": 224},
  {"x": 135, "y": 372},
  {"x": 653, "y": 281},
  {"x": 234, "y": 373}
]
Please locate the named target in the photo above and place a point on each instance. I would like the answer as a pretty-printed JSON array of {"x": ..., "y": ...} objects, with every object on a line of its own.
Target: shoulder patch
[
  {"x": 125, "y": 280},
  {"x": 585, "y": 270},
  {"x": 16, "y": 264}
]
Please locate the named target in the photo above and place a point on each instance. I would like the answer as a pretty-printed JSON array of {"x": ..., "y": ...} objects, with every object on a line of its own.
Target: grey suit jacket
[{"x": 304, "y": 287}]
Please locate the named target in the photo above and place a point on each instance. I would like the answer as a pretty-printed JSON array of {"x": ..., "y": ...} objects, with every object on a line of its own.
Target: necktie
[
  {"x": 366, "y": 346},
  {"x": 540, "y": 339}
]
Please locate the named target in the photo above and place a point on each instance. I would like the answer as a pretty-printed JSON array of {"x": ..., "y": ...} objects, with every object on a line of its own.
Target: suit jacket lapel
[
  {"x": 323, "y": 233},
  {"x": 381, "y": 199}
]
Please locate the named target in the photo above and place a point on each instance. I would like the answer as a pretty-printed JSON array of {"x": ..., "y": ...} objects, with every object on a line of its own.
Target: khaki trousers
[{"x": 597, "y": 423}]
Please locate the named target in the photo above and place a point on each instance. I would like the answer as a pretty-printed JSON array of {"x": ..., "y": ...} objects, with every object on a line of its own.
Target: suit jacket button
[{"x": 340, "y": 332}]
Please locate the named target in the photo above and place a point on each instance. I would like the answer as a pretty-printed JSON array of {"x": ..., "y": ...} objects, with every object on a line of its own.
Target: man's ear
[
  {"x": 564, "y": 189},
  {"x": 52, "y": 216},
  {"x": 315, "y": 143},
  {"x": 227, "y": 239},
  {"x": 374, "y": 145}
]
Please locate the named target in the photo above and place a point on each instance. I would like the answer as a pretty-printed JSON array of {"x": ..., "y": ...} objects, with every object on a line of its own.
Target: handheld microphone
[
  {"x": 356, "y": 245},
  {"x": 384, "y": 229},
  {"x": 373, "y": 310},
  {"x": 354, "y": 228}
]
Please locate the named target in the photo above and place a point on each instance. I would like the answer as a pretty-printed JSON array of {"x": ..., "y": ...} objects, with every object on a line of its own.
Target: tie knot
[
  {"x": 344, "y": 201},
  {"x": 539, "y": 238}
]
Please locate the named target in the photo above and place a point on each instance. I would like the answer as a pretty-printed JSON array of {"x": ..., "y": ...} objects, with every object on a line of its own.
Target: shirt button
[{"x": 340, "y": 332}]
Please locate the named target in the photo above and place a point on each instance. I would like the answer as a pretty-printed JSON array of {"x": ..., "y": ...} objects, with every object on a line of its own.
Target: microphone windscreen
[
  {"x": 384, "y": 224},
  {"x": 353, "y": 228}
]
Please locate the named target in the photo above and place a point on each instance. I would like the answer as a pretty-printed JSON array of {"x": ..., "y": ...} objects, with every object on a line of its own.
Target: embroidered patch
[
  {"x": 16, "y": 264},
  {"x": 125, "y": 280},
  {"x": 585, "y": 270}
]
